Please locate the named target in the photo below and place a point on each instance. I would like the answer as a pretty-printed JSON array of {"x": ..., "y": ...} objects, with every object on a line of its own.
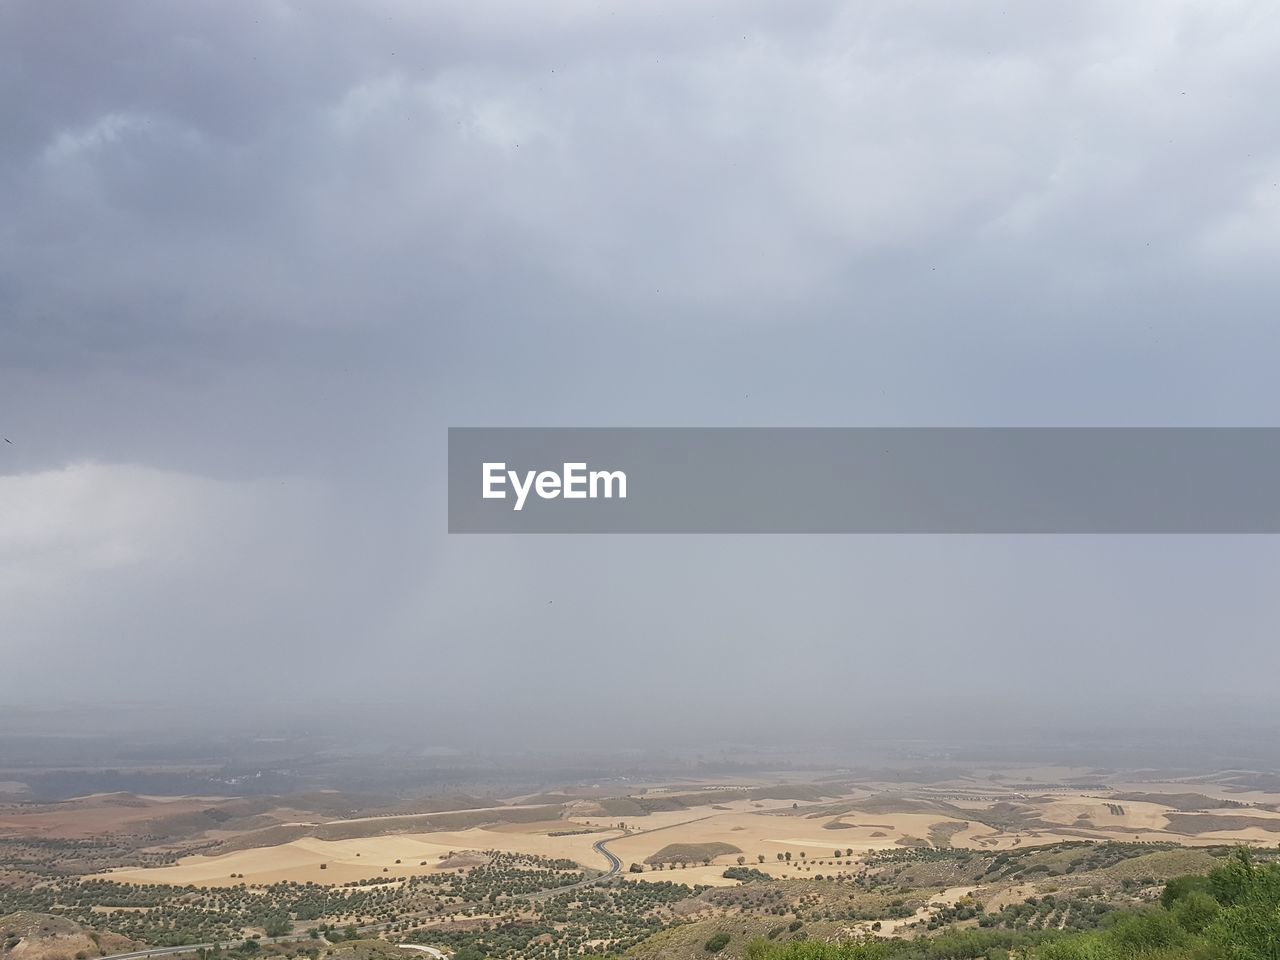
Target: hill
[
  {"x": 41, "y": 936},
  {"x": 372, "y": 950}
]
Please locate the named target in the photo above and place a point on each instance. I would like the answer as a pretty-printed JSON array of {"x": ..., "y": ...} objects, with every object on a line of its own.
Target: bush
[
  {"x": 745, "y": 874},
  {"x": 1195, "y": 911},
  {"x": 717, "y": 943},
  {"x": 1180, "y": 887},
  {"x": 1136, "y": 933}
]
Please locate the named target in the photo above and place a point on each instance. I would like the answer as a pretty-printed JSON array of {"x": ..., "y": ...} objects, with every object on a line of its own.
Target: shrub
[{"x": 716, "y": 943}]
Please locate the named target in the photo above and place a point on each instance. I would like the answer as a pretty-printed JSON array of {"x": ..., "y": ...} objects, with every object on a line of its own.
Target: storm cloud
[{"x": 255, "y": 258}]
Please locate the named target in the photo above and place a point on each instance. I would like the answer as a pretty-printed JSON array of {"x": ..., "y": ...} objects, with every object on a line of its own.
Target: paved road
[
  {"x": 189, "y": 947},
  {"x": 614, "y": 863}
]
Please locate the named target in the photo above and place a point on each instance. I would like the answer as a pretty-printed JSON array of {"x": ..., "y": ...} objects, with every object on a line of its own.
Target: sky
[{"x": 257, "y": 257}]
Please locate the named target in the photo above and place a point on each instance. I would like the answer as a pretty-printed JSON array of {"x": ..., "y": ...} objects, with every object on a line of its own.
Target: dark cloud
[{"x": 256, "y": 257}]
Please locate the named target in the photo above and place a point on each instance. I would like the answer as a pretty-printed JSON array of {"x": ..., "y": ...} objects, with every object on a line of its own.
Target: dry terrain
[
  {"x": 236, "y": 842},
  {"x": 891, "y": 852}
]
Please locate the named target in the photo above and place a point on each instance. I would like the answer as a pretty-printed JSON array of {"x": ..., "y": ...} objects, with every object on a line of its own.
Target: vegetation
[
  {"x": 746, "y": 874},
  {"x": 716, "y": 943},
  {"x": 992, "y": 899},
  {"x": 691, "y": 852},
  {"x": 608, "y": 918},
  {"x": 165, "y": 915},
  {"x": 1232, "y": 914}
]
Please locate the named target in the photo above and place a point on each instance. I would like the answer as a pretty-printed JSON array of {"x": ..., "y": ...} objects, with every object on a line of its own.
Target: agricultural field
[{"x": 655, "y": 870}]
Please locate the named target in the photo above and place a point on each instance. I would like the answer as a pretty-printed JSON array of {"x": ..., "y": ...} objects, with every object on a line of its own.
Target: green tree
[
  {"x": 1179, "y": 887},
  {"x": 1196, "y": 911}
]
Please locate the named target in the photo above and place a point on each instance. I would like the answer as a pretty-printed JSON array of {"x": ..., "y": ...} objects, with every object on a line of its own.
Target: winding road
[{"x": 614, "y": 863}]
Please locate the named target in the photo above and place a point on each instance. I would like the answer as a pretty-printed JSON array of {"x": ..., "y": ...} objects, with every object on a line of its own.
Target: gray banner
[{"x": 890, "y": 480}]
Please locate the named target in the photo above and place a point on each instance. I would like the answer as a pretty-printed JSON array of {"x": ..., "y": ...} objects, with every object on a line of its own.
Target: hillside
[
  {"x": 41, "y": 936},
  {"x": 373, "y": 950}
]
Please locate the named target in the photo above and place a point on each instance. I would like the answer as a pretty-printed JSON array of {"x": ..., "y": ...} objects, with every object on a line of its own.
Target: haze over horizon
[{"x": 256, "y": 259}]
